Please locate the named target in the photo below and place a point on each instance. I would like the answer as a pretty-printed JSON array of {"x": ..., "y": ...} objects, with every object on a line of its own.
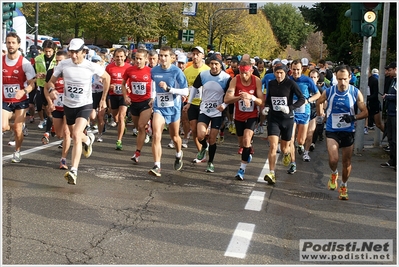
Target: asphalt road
[{"x": 119, "y": 214}]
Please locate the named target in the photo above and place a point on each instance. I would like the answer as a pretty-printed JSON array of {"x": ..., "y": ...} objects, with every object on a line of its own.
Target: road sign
[{"x": 188, "y": 37}]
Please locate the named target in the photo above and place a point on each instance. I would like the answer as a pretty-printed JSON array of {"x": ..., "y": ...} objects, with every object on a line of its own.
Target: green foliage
[{"x": 288, "y": 24}]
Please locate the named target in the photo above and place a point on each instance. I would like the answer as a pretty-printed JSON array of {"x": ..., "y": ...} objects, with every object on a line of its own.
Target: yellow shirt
[{"x": 191, "y": 73}]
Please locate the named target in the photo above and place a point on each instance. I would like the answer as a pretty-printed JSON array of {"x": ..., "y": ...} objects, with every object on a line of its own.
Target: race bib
[
  {"x": 74, "y": 91},
  {"x": 59, "y": 101},
  {"x": 277, "y": 101},
  {"x": 301, "y": 109},
  {"x": 139, "y": 88},
  {"x": 338, "y": 122},
  {"x": 198, "y": 94},
  {"x": 210, "y": 107},
  {"x": 10, "y": 90},
  {"x": 243, "y": 108},
  {"x": 118, "y": 89},
  {"x": 165, "y": 100}
]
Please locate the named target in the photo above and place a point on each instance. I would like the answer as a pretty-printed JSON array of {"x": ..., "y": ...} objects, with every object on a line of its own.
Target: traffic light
[
  {"x": 355, "y": 14},
  {"x": 253, "y": 8},
  {"x": 369, "y": 19},
  {"x": 9, "y": 11}
]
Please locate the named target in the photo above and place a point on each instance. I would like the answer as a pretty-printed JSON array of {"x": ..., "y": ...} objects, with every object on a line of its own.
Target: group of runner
[{"x": 160, "y": 93}]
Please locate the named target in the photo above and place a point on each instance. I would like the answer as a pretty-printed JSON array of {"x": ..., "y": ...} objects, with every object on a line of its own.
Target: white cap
[
  {"x": 275, "y": 60},
  {"x": 182, "y": 58},
  {"x": 375, "y": 71},
  {"x": 305, "y": 61},
  {"x": 76, "y": 44},
  {"x": 284, "y": 61},
  {"x": 252, "y": 61},
  {"x": 4, "y": 47}
]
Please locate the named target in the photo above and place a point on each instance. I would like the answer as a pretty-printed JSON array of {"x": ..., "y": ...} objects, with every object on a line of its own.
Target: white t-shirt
[{"x": 77, "y": 81}]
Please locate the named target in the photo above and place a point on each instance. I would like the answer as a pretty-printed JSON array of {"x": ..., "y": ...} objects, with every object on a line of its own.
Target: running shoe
[
  {"x": 301, "y": 149},
  {"x": 156, "y": 171},
  {"x": 210, "y": 167},
  {"x": 178, "y": 162},
  {"x": 201, "y": 154},
  {"x": 366, "y": 131},
  {"x": 100, "y": 138},
  {"x": 343, "y": 193},
  {"x": 240, "y": 174},
  {"x": 240, "y": 150},
  {"x": 31, "y": 119},
  {"x": 292, "y": 169},
  {"x": 286, "y": 159},
  {"x": 306, "y": 157},
  {"x": 41, "y": 124},
  {"x": 332, "y": 182},
  {"x": 270, "y": 178},
  {"x": 312, "y": 146},
  {"x": 261, "y": 130},
  {"x": 230, "y": 127},
  {"x": 136, "y": 156},
  {"x": 184, "y": 143},
  {"x": 24, "y": 130},
  {"x": 88, "y": 149},
  {"x": 171, "y": 144},
  {"x": 71, "y": 177},
  {"x": 251, "y": 150},
  {"x": 60, "y": 145},
  {"x": 233, "y": 130},
  {"x": 387, "y": 165},
  {"x": 16, "y": 157},
  {"x": 147, "y": 139},
  {"x": 45, "y": 138},
  {"x": 249, "y": 158},
  {"x": 63, "y": 165},
  {"x": 118, "y": 145}
]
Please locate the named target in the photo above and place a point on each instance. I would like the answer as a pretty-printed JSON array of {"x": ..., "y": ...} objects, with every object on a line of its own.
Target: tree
[{"x": 288, "y": 25}]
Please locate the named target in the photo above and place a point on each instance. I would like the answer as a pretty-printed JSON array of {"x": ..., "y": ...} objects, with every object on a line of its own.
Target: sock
[
  {"x": 158, "y": 164},
  {"x": 74, "y": 170},
  {"x": 243, "y": 166},
  {"x": 138, "y": 150},
  {"x": 272, "y": 172},
  {"x": 203, "y": 143},
  {"x": 344, "y": 184},
  {"x": 212, "y": 152},
  {"x": 336, "y": 171},
  {"x": 178, "y": 154},
  {"x": 63, "y": 159},
  {"x": 87, "y": 142}
]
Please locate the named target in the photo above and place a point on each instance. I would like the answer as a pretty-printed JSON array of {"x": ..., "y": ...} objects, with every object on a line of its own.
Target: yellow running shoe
[
  {"x": 287, "y": 159},
  {"x": 270, "y": 178},
  {"x": 233, "y": 130},
  {"x": 332, "y": 183},
  {"x": 343, "y": 193}
]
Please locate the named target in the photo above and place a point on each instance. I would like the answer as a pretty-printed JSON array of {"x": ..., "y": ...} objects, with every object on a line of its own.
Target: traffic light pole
[{"x": 364, "y": 79}]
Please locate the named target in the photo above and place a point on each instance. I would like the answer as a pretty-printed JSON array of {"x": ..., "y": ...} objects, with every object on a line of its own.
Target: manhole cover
[{"x": 310, "y": 195}]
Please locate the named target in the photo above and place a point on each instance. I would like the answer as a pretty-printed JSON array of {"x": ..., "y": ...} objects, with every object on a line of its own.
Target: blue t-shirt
[
  {"x": 307, "y": 87},
  {"x": 166, "y": 102}
]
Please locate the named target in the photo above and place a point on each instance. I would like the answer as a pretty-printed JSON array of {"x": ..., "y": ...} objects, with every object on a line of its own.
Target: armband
[
  {"x": 224, "y": 105},
  {"x": 167, "y": 89},
  {"x": 26, "y": 91},
  {"x": 254, "y": 98}
]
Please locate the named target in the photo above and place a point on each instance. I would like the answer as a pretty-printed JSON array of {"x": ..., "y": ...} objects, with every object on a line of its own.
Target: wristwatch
[{"x": 26, "y": 91}]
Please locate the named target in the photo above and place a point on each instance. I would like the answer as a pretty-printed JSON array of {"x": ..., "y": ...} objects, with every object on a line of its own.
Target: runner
[
  {"x": 279, "y": 108},
  {"x": 214, "y": 84},
  {"x": 139, "y": 97},
  {"x": 78, "y": 100},
  {"x": 245, "y": 91},
  {"x": 15, "y": 90},
  {"x": 56, "y": 109},
  {"x": 170, "y": 84},
  {"x": 342, "y": 100},
  {"x": 116, "y": 69}
]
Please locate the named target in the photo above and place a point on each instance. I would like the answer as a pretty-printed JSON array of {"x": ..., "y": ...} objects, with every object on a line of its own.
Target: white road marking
[
  {"x": 255, "y": 201},
  {"x": 239, "y": 243}
]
